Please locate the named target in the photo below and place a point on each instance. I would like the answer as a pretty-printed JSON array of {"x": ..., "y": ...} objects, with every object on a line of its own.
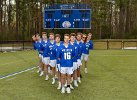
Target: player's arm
[
  {"x": 73, "y": 52},
  {"x": 78, "y": 47},
  {"x": 34, "y": 46},
  {"x": 40, "y": 48},
  {"x": 48, "y": 49}
]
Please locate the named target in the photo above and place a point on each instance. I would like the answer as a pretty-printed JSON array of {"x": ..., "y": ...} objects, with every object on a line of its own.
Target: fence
[
  {"x": 98, "y": 45},
  {"x": 15, "y": 45},
  {"x": 114, "y": 44}
]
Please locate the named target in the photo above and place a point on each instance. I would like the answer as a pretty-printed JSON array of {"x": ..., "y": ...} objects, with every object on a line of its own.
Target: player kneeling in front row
[{"x": 66, "y": 53}]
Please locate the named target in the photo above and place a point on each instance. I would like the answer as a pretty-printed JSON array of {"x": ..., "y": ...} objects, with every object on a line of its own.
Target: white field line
[{"x": 16, "y": 73}]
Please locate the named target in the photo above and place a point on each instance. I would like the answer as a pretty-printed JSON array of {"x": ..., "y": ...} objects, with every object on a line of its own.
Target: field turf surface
[{"x": 112, "y": 75}]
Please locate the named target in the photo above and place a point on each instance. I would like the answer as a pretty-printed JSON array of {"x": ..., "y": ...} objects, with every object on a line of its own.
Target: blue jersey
[
  {"x": 75, "y": 45},
  {"x": 35, "y": 45},
  {"x": 80, "y": 49},
  {"x": 52, "y": 50},
  {"x": 91, "y": 45},
  {"x": 39, "y": 47},
  {"x": 57, "y": 48},
  {"x": 66, "y": 55},
  {"x": 86, "y": 47},
  {"x": 45, "y": 48}
]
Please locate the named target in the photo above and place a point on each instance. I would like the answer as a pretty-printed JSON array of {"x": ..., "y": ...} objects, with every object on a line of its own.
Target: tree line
[{"x": 111, "y": 19}]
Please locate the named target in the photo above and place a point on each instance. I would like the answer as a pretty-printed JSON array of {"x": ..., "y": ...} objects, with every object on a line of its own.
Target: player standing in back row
[
  {"x": 75, "y": 63},
  {"x": 52, "y": 63},
  {"x": 80, "y": 46},
  {"x": 57, "y": 47}
]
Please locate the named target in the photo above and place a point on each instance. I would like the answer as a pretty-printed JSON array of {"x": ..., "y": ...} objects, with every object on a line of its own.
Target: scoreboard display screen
[{"x": 67, "y": 17}]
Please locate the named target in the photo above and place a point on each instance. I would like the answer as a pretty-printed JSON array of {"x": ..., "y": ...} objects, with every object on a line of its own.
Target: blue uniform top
[
  {"x": 56, "y": 50},
  {"x": 35, "y": 45},
  {"x": 38, "y": 47},
  {"x": 45, "y": 48},
  {"x": 66, "y": 55},
  {"x": 52, "y": 50},
  {"x": 80, "y": 49},
  {"x": 91, "y": 45},
  {"x": 86, "y": 48},
  {"x": 76, "y": 48}
]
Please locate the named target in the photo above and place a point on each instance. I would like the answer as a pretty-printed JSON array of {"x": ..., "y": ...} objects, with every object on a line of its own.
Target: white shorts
[
  {"x": 46, "y": 60},
  {"x": 52, "y": 63},
  {"x": 79, "y": 63},
  {"x": 58, "y": 67},
  {"x": 82, "y": 56},
  {"x": 85, "y": 56},
  {"x": 67, "y": 70},
  {"x": 75, "y": 65},
  {"x": 42, "y": 59}
]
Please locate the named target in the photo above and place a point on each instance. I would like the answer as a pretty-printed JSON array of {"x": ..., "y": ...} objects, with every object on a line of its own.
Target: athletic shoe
[
  {"x": 59, "y": 86},
  {"x": 79, "y": 80},
  {"x": 68, "y": 90},
  {"x": 38, "y": 71},
  {"x": 42, "y": 73},
  {"x": 53, "y": 80},
  {"x": 47, "y": 77},
  {"x": 63, "y": 90},
  {"x": 71, "y": 87},
  {"x": 86, "y": 71}
]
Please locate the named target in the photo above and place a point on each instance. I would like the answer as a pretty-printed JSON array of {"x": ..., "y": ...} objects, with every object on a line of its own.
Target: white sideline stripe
[{"x": 9, "y": 75}]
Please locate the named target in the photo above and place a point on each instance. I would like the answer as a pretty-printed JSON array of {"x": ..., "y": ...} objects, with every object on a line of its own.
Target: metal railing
[{"x": 104, "y": 44}]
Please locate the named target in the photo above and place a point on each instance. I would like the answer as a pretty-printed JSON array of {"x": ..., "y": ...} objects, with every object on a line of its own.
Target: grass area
[
  {"x": 111, "y": 76},
  {"x": 15, "y": 61}
]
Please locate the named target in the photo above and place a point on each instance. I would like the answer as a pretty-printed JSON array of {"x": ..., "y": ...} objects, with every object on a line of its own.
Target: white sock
[
  {"x": 40, "y": 69},
  {"x": 59, "y": 83},
  {"x": 75, "y": 81},
  {"x": 78, "y": 78}
]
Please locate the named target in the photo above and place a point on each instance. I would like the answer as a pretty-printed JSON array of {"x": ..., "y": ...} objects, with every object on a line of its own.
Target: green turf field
[{"x": 112, "y": 75}]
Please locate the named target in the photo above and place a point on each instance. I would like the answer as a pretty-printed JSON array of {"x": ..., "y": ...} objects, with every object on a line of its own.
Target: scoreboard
[{"x": 67, "y": 16}]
